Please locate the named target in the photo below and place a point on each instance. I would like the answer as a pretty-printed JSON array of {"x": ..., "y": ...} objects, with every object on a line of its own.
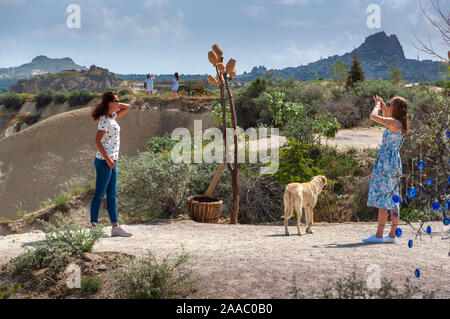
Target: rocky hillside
[
  {"x": 39, "y": 65},
  {"x": 95, "y": 79},
  {"x": 376, "y": 54}
]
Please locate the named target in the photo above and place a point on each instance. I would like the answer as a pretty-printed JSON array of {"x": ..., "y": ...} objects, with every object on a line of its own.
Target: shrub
[
  {"x": 280, "y": 110},
  {"x": 159, "y": 144},
  {"x": 338, "y": 164},
  {"x": 260, "y": 197},
  {"x": 61, "y": 97},
  {"x": 12, "y": 101},
  {"x": 151, "y": 185},
  {"x": 82, "y": 97},
  {"x": 44, "y": 98},
  {"x": 355, "y": 287},
  {"x": 304, "y": 131},
  {"x": 297, "y": 164},
  {"x": 90, "y": 285},
  {"x": 146, "y": 278},
  {"x": 124, "y": 92},
  {"x": 62, "y": 240}
]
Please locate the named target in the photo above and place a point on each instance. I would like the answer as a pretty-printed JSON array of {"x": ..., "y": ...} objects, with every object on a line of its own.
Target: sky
[{"x": 167, "y": 36}]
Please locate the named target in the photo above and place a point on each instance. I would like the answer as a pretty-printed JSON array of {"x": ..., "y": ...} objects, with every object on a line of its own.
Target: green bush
[
  {"x": 337, "y": 164},
  {"x": 159, "y": 144},
  {"x": 82, "y": 97},
  {"x": 303, "y": 131},
  {"x": 62, "y": 240},
  {"x": 151, "y": 185},
  {"x": 124, "y": 92},
  {"x": 12, "y": 101},
  {"x": 90, "y": 285},
  {"x": 44, "y": 98},
  {"x": 61, "y": 97},
  {"x": 297, "y": 164},
  {"x": 146, "y": 278}
]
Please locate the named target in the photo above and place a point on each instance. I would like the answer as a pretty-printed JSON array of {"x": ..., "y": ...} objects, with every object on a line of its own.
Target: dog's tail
[{"x": 288, "y": 204}]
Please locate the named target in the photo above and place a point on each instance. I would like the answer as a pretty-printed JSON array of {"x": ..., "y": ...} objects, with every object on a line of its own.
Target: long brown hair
[
  {"x": 400, "y": 112},
  {"x": 102, "y": 108}
]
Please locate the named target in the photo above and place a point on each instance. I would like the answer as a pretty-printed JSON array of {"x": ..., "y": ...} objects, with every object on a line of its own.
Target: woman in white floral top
[{"x": 107, "y": 142}]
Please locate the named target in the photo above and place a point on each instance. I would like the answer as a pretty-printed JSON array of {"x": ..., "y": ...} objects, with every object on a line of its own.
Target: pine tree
[{"x": 356, "y": 73}]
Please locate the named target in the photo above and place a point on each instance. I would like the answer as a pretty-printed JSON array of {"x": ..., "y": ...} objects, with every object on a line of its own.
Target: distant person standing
[
  {"x": 175, "y": 80},
  {"x": 149, "y": 84},
  {"x": 107, "y": 142}
]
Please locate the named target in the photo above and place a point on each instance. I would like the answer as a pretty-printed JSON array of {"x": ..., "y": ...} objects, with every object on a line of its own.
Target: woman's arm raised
[
  {"x": 388, "y": 122},
  {"x": 123, "y": 109}
]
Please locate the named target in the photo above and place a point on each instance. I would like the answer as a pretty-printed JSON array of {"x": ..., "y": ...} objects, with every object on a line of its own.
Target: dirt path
[
  {"x": 358, "y": 138},
  {"x": 260, "y": 262}
]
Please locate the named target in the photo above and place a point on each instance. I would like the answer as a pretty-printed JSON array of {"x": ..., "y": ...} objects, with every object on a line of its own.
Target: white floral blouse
[{"x": 111, "y": 139}]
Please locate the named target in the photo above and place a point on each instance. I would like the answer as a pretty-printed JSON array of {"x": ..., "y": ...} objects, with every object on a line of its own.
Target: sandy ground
[{"x": 245, "y": 261}]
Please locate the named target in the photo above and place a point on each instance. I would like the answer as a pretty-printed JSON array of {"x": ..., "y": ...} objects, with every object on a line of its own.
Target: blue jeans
[{"x": 106, "y": 183}]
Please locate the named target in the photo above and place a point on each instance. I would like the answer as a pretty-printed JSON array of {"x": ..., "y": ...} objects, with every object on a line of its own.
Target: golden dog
[{"x": 302, "y": 196}]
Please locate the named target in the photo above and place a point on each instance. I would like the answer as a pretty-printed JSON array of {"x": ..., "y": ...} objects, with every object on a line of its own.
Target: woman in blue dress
[
  {"x": 385, "y": 180},
  {"x": 175, "y": 80}
]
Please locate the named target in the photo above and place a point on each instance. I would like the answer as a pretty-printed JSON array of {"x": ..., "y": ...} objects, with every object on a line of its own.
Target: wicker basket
[{"x": 204, "y": 209}]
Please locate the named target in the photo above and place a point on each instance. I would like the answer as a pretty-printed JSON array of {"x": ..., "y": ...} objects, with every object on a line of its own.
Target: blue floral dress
[{"x": 385, "y": 182}]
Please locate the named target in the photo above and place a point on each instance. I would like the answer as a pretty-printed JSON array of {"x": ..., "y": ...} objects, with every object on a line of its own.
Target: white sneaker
[
  {"x": 119, "y": 232},
  {"x": 387, "y": 239},
  {"x": 373, "y": 239}
]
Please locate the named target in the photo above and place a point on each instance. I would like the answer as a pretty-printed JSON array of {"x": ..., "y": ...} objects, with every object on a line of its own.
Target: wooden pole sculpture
[{"x": 224, "y": 75}]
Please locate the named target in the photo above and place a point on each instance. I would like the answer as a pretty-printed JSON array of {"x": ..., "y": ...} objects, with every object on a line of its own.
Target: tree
[
  {"x": 338, "y": 71},
  {"x": 356, "y": 73},
  {"x": 396, "y": 75},
  {"x": 226, "y": 73}
]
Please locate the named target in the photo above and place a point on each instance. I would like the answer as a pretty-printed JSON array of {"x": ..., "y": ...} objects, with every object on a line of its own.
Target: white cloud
[
  {"x": 255, "y": 10},
  {"x": 154, "y": 22},
  {"x": 293, "y": 23},
  {"x": 155, "y": 3},
  {"x": 395, "y": 4},
  {"x": 12, "y": 2},
  {"x": 291, "y": 2},
  {"x": 294, "y": 56}
]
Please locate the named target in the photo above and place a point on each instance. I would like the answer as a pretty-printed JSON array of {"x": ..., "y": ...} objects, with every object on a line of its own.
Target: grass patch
[
  {"x": 146, "y": 278},
  {"x": 90, "y": 285}
]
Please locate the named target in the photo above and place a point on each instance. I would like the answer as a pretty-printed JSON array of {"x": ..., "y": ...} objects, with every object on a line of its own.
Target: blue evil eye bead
[
  {"x": 417, "y": 273},
  {"x": 421, "y": 165},
  {"x": 429, "y": 182},
  {"x": 410, "y": 243},
  {"x": 396, "y": 199},
  {"x": 448, "y": 180},
  {"x": 395, "y": 214},
  {"x": 447, "y": 204},
  {"x": 398, "y": 232},
  {"x": 429, "y": 230},
  {"x": 436, "y": 205},
  {"x": 412, "y": 192},
  {"x": 406, "y": 200},
  {"x": 447, "y": 134},
  {"x": 446, "y": 222}
]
